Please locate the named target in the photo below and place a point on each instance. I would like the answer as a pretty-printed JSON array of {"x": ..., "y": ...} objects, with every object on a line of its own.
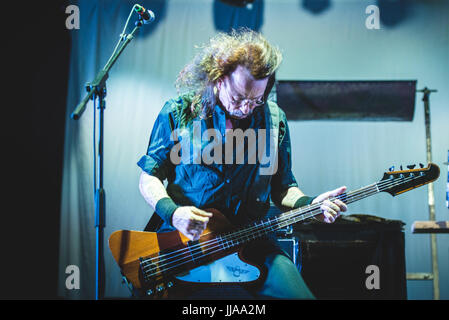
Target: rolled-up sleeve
[
  {"x": 156, "y": 161},
  {"x": 284, "y": 178}
]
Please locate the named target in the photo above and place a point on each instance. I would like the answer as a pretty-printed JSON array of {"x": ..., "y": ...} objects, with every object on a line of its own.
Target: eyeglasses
[{"x": 238, "y": 101}]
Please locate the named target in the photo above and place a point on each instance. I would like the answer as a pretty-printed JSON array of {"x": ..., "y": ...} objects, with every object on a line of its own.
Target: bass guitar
[{"x": 154, "y": 263}]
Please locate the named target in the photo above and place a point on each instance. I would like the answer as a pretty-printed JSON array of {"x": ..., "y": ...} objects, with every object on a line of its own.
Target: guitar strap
[
  {"x": 258, "y": 201},
  {"x": 154, "y": 224}
]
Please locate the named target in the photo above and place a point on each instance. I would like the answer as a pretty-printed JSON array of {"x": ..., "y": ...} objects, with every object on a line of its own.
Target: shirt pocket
[{"x": 196, "y": 177}]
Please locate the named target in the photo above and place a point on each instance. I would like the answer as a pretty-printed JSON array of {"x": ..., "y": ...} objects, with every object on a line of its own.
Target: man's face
[{"x": 240, "y": 93}]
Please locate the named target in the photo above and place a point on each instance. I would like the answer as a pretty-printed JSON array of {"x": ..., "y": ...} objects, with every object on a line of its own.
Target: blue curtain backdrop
[{"x": 328, "y": 42}]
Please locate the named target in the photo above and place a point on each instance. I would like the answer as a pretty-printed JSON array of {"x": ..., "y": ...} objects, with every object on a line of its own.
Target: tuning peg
[
  {"x": 401, "y": 167},
  {"x": 411, "y": 166},
  {"x": 421, "y": 165},
  {"x": 391, "y": 168}
]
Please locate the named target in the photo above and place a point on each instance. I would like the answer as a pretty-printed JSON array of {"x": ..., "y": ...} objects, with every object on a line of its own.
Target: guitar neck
[{"x": 264, "y": 227}]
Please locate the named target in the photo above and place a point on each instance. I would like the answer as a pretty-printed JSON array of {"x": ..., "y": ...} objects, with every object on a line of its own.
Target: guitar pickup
[{"x": 195, "y": 250}]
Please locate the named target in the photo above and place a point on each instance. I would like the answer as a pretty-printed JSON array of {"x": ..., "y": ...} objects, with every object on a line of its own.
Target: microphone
[{"x": 146, "y": 15}]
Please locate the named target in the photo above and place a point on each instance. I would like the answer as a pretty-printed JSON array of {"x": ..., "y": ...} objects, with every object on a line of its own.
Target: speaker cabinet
[{"x": 357, "y": 257}]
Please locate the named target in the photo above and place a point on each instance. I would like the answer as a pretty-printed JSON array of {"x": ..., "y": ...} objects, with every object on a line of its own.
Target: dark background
[{"x": 35, "y": 71}]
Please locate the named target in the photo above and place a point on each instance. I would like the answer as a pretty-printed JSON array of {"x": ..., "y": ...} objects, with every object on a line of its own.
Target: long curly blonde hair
[{"x": 219, "y": 58}]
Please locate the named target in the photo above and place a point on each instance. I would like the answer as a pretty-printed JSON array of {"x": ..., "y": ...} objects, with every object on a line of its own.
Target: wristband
[
  {"x": 165, "y": 208},
  {"x": 303, "y": 201}
]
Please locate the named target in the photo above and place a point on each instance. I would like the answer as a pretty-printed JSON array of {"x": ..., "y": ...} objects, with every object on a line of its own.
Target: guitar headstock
[{"x": 397, "y": 182}]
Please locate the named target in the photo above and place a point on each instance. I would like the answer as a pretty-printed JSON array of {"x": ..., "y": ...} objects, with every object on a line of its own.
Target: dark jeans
[{"x": 280, "y": 277}]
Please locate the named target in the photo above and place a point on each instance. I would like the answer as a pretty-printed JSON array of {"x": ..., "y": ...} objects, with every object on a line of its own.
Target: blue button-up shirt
[{"x": 238, "y": 182}]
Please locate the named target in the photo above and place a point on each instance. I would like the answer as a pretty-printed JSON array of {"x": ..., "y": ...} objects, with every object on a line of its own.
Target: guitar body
[
  {"x": 130, "y": 248},
  {"x": 229, "y": 269}
]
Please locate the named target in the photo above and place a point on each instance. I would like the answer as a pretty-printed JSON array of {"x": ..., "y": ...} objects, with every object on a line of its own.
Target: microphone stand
[
  {"x": 430, "y": 193},
  {"x": 97, "y": 90}
]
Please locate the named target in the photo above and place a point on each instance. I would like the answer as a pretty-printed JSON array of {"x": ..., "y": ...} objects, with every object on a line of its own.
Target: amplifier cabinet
[
  {"x": 362, "y": 258},
  {"x": 290, "y": 245}
]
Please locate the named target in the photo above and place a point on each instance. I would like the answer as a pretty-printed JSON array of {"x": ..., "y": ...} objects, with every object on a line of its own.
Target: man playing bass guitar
[{"x": 224, "y": 98}]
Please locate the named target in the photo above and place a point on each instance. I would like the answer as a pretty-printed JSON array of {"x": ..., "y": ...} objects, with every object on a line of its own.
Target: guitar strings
[
  {"x": 361, "y": 192},
  {"x": 287, "y": 215},
  {"x": 234, "y": 234},
  {"x": 246, "y": 229},
  {"x": 279, "y": 224},
  {"x": 217, "y": 249},
  {"x": 276, "y": 222}
]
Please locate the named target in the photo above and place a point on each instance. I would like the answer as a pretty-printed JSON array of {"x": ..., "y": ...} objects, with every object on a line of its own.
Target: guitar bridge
[
  {"x": 152, "y": 279},
  {"x": 147, "y": 270}
]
